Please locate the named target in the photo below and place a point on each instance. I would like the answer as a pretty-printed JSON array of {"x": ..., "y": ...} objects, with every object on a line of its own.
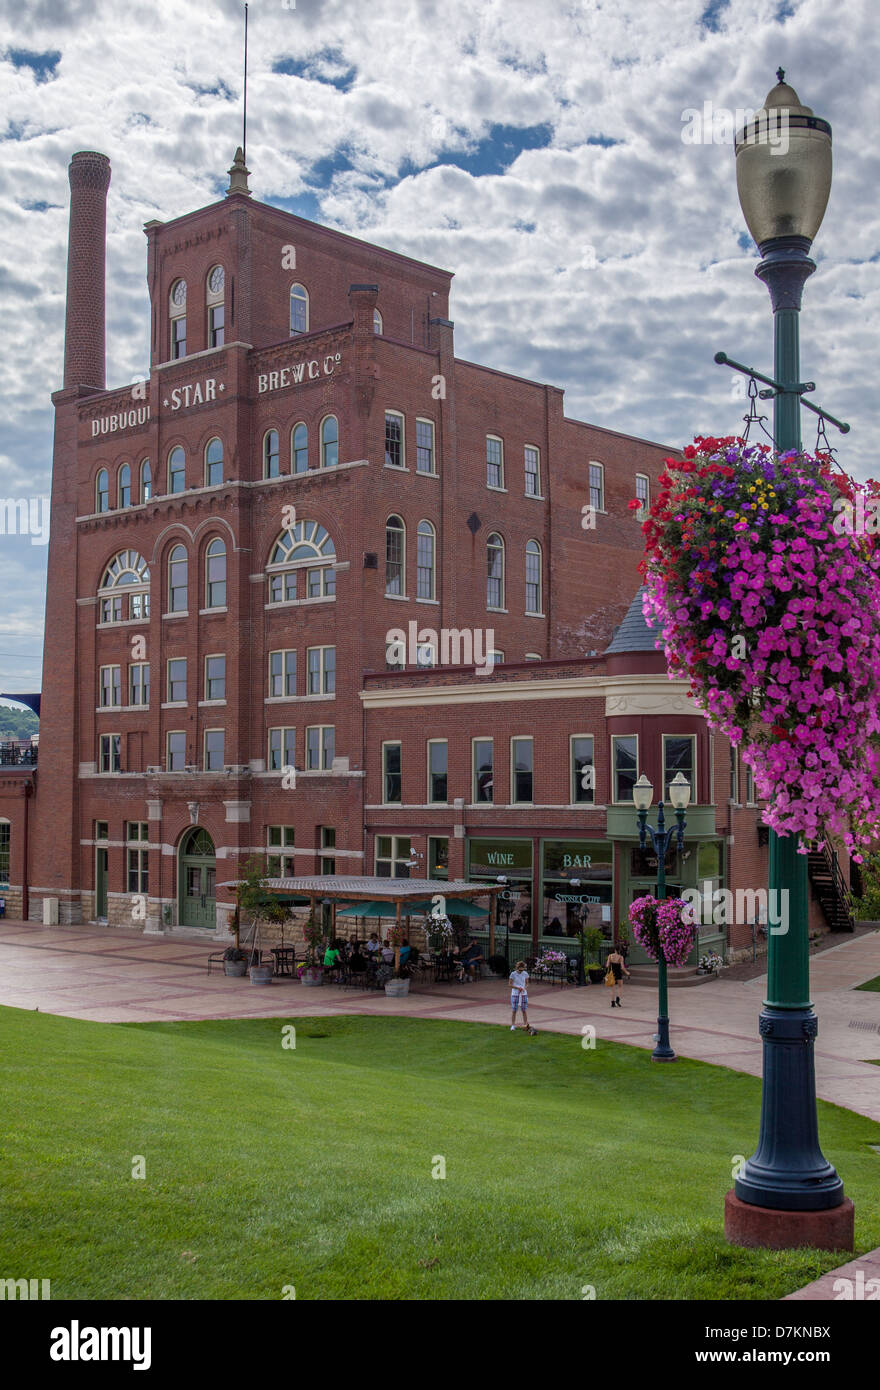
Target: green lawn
[
  {"x": 311, "y": 1167},
  {"x": 871, "y": 984}
]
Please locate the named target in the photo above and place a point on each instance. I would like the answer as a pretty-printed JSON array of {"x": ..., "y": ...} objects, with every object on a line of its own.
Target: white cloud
[{"x": 615, "y": 271}]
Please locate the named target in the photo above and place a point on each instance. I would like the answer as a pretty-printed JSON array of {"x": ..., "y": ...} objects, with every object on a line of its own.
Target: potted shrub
[
  {"x": 311, "y": 972},
  {"x": 593, "y": 940},
  {"x": 234, "y": 962}
]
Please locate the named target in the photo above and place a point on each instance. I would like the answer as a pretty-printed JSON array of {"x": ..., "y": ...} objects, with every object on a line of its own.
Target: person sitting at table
[
  {"x": 405, "y": 951},
  {"x": 357, "y": 963},
  {"x": 331, "y": 957},
  {"x": 469, "y": 960},
  {"x": 387, "y": 952},
  {"x": 373, "y": 946}
]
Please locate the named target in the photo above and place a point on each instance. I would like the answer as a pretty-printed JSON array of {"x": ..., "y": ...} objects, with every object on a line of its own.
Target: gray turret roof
[{"x": 634, "y": 634}]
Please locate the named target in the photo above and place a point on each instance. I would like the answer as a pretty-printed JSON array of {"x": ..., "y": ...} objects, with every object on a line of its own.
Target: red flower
[{"x": 634, "y": 505}]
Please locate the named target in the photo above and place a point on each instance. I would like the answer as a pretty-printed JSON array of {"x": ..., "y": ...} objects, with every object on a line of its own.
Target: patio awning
[{"x": 350, "y": 889}]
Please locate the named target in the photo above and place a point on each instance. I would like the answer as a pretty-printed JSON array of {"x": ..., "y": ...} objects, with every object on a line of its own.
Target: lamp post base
[
  {"x": 768, "y": 1228},
  {"x": 663, "y": 1051}
]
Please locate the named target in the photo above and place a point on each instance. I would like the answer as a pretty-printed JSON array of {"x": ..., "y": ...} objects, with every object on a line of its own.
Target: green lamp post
[
  {"x": 661, "y": 838},
  {"x": 783, "y": 188}
]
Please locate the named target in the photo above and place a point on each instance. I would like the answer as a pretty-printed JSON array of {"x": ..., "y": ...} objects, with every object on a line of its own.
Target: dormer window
[
  {"x": 299, "y": 310},
  {"x": 178, "y": 319},
  {"x": 214, "y": 301}
]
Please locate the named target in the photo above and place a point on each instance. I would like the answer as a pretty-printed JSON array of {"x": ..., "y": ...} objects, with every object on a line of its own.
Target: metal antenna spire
[{"x": 244, "y": 116}]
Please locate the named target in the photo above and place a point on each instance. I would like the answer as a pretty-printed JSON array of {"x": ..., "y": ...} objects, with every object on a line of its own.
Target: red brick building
[{"x": 235, "y": 542}]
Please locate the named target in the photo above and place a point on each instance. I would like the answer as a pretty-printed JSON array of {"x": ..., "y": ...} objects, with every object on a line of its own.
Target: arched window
[
  {"x": 177, "y": 309},
  {"x": 215, "y": 289},
  {"x": 425, "y": 561},
  {"x": 125, "y": 486},
  {"x": 299, "y": 310},
  {"x": 329, "y": 442},
  {"x": 178, "y": 576},
  {"x": 146, "y": 481},
  {"x": 271, "y": 455},
  {"x": 395, "y": 556},
  {"x": 215, "y": 575},
  {"x": 102, "y": 491},
  {"x": 533, "y": 577},
  {"x": 495, "y": 571},
  {"x": 306, "y": 552},
  {"x": 377, "y": 321},
  {"x": 124, "y": 592},
  {"x": 176, "y": 469},
  {"x": 213, "y": 463},
  {"x": 299, "y": 449}
]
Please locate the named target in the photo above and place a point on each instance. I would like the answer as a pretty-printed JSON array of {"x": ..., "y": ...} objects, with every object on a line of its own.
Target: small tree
[{"x": 254, "y": 898}]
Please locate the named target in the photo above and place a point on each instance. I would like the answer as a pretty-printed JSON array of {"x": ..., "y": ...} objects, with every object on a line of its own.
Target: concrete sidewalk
[{"x": 113, "y": 976}]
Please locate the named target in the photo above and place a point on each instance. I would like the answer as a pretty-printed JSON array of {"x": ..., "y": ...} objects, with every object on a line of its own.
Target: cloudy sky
[{"x": 533, "y": 147}]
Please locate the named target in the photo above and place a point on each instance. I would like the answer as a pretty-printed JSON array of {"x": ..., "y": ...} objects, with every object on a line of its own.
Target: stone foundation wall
[{"x": 13, "y": 898}]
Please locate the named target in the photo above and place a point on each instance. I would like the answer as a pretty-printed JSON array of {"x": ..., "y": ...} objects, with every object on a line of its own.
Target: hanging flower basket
[
  {"x": 766, "y": 591},
  {"x": 659, "y": 926}
]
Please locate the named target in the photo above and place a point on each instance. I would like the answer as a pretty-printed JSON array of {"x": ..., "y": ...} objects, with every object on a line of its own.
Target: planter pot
[
  {"x": 261, "y": 974},
  {"x": 235, "y": 968},
  {"x": 596, "y": 976},
  {"x": 312, "y": 977},
  {"x": 396, "y": 988}
]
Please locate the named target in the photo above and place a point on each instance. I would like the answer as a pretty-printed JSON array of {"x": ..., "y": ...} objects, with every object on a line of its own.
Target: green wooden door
[
  {"x": 197, "y": 880},
  {"x": 101, "y": 883}
]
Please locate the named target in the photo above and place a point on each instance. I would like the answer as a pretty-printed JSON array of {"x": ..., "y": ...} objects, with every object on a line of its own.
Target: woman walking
[
  {"x": 617, "y": 965},
  {"x": 519, "y": 998}
]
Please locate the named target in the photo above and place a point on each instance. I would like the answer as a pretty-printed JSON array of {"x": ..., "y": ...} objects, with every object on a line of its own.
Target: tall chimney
[{"x": 84, "y": 365}]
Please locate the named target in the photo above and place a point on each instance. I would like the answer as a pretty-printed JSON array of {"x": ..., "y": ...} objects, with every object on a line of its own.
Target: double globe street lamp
[{"x": 679, "y": 795}]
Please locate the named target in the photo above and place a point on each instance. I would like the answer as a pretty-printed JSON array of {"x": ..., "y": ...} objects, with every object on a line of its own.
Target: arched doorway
[{"x": 197, "y": 880}]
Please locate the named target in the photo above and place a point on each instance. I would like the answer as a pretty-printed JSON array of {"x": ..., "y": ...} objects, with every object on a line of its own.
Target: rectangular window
[
  {"x": 110, "y": 753},
  {"x": 438, "y": 770},
  {"x": 282, "y": 674},
  {"x": 320, "y": 747},
  {"x": 394, "y": 447},
  {"x": 175, "y": 758},
  {"x": 139, "y": 684},
  {"x": 138, "y": 877},
  {"x": 583, "y": 771},
  {"x": 5, "y": 842},
  {"x": 483, "y": 770},
  {"x": 322, "y": 670},
  {"x": 391, "y": 773},
  {"x": 734, "y": 779},
  {"x": 679, "y": 755},
  {"x": 178, "y": 338},
  {"x": 139, "y": 606},
  {"x": 597, "y": 487},
  {"x": 111, "y": 609},
  {"x": 278, "y": 865},
  {"x": 137, "y": 830},
  {"x": 282, "y": 587},
  {"x": 438, "y": 856},
  {"x": 177, "y": 679},
  {"x": 643, "y": 494},
  {"x": 111, "y": 686},
  {"x": 624, "y": 762},
  {"x": 522, "y": 765},
  {"x": 425, "y": 446},
  {"x": 750, "y": 787},
  {"x": 393, "y": 853},
  {"x": 102, "y": 830},
  {"x": 217, "y": 320},
  {"x": 215, "y": 677},
  {"x": 395, "y": 659},
  {"x": 494, "y": 461},
  {"x": 282, "y": 749},
  {"x": 533, "y": 473},
  {"x": 215, "y": 742}
]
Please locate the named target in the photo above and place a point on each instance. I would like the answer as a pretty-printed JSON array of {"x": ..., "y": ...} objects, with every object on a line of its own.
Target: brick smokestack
[{"x": 89, "y": 175}]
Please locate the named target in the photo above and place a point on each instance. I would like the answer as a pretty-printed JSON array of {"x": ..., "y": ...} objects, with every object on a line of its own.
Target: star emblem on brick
[
  {"x": 165, "y": 402},
  {"x": 221, "y": 387}
]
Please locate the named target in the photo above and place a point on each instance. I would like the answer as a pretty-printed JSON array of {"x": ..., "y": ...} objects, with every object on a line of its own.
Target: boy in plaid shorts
[{"x": 519, "y": 998}]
